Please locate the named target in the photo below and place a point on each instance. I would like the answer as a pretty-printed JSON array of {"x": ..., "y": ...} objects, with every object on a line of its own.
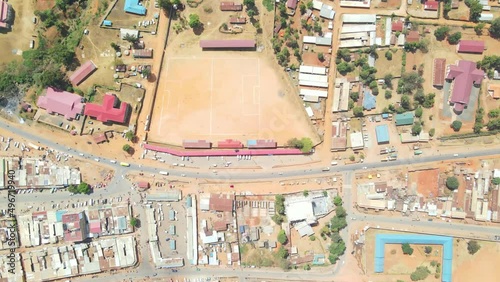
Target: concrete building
[
  {"x": 111, "y": 110},
  {"x": 357, "y": 141},
  {"x": 61, "y": 102},
  {"x": 465, "y": 77}
]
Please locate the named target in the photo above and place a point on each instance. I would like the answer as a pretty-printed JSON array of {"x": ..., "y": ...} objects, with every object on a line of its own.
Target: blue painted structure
[
  {"x": 133, "y": 7},
  {"x": 447, "y": 242},
  {"x": 107, "y": 23},
  {"x": 369, "y": 101},
  {"x": 382, "y": 132}
]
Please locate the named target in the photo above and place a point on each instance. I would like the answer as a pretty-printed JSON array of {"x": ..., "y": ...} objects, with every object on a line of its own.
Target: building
[
  {"x": 465, "y": 77},
  {"x": 494, "y": 90},
  {"x": 82, "y": 73},
  {"x": 369, "y": 100},
  {"x": 219, "y": 202},
  {"x": 327, "y": 12},
  {"x": 133, "y": 7},
  {"x": 486, "y": 17},
  {"x": 357, "y": 141},
  {"x": 397, "y": 26},
  {"x": 339, "y": 136},
  {"x": 382, "y": 132},
  {"x": 404, "y": 118},
  {"x": 6, "y": 15},
  {"x": 355, "y": 3},
  {"x": 142, "y": 53},
  {"x": 143, "y": 185},
  {"x": 124, "y": 32},
  {"x": 100, "y": 138},
  {"x": 471, "y": 46},
  {"x": 230, "y": 6},
  {"x": 237, "y": 20},
  {"x": 75, "y": 227},
  {"x": 229, "y": 144},
  {"x": 107, "y": 23},
  {"x": 292, "y": 4},
  {"x": 413, "y": 36},
  {"x": 111, "y": 110},
  {"x": 261, "y": 144},
  {"x": 196, "y": 144},
  {"x": 431, "y": 5},
  {"x": 341, "y": 95},
  {"x": 62, "y": 103},
  {"x": 227, "y": 44},
  {"x": 359, "y": 18},
  {"x": 438, "y": 72}
]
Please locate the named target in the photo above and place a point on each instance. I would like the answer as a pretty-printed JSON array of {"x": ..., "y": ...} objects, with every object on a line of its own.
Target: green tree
[
  {"x": 473, "y": 246},
  {"x": 358, "y": 111},
  {"x": 421, "y": 273},
  {"x": 479, "y": 28},
  {"x": 405, "y": 102},
  {"x": 407, "y": 249},
  {"x": 337, "y": 223},
  {"x": 416, "y": 128},
  {"x": 340, "y": 211},
  {"x": 278, "y": 219},
  {"x": 495, "y": 28},
  {"x": 134, "y": 222},
  {"x": 418, "y": 112},
  {"x": 410, "y": 82},
  {"x": 388, "y": 80},
  {"x": 165, "y": 5},
  {"x": 282, "y": 252},
  {"x": 305, "y": 193},
  {"x": 354, "y": 96},
  {"x": 194, "y": 21},
  {"x": 388, "y": 55},
  {"x": 344, "y": 68},
  {"x": 452, "y": 183},
  {"x": 388, "y": 94},
  {"x": 337, "y": 201},
  {"x": 282, "y": 238},
  {"x": 82, "y": 188},
  {"x": 475, "y": 9},
  {"x": 441, "y": 32},
  {"x": 129, "y": 135},
  {"x": 454, "y": 38},
  {"x": 307, "y": 145},
  {"x": 321, "y": 57},
  {"x": 279, "y": 204},
  {"x": 432, "y": 131},
  {"x": 302, "y": 8},
  {"x": 126, "y": 148},
  {"x": 130, "y": 38},
  {"x": 428, "y": 249},
  {"x": 496, "y": 181},
  {"x": 456, "y": 125},
  {"x": 494, "y": 113}
]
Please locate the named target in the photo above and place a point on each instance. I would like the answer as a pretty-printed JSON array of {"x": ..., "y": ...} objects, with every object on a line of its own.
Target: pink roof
[
  {"x": 227, "y": 43},
  {"x": 471, "y": 46},
  {"x": 292, "y": 4},
  {"x": 413, "y": 36},
  {"x": 82, "y": 72},
  {"x": 108, "y": 112},
  {"x": 196, "y": 144},
  {"x": 229, "y": 144},
  {"x": 4, "y": 8},
  {"x": 218, "y": 153},
  {"x": 397, "y": 26},
  {"x": 72, "y": 229},
  {"x": 95, "y": 227},
  {"x": 431, "y": 5},
  {"x": 465, "y": 75},
  {"x": 61, "y": 102}
]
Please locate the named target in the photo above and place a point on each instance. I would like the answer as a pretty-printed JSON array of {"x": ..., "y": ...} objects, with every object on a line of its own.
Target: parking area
[{"x": 59, "y": 121}]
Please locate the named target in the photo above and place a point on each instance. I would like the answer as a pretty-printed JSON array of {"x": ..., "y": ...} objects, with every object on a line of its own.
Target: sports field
[{"x": 216, "y": 96}]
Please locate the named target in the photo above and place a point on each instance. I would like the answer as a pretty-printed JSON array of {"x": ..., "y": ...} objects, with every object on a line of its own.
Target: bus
[
  {"x": 124, "y": 164},
  {"x": 164, "y": 172}
]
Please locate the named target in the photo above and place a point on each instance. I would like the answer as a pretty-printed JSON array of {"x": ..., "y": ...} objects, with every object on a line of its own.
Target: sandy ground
[{"x": 482, "y": 266}]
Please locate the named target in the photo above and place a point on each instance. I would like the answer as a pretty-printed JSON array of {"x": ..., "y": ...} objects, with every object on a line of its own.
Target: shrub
[
  {"x": 456, "y": 125},
  {"x": 407, "y": 249},
  {"x": 428, "y": 250},
  {"x": 473, "y": 246},
  {"x": 420, "y": 273},
  {"x": 282, "y": 238},
  {"x": 452, "y": 183}
]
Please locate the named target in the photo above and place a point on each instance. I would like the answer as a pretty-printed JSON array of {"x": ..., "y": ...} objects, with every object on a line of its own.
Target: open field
[
  {"x": 385, "y": 66},
  {"x": 482, "y": 266},
  {"x": 462, "y": 13},
  {"x": 426, "y": 181},
  {"x": 388, "y": 5},
  {"x": 13, "y": 42},
  {"x": 218, "y": 96},
  {"x": 398, "y": 263}
]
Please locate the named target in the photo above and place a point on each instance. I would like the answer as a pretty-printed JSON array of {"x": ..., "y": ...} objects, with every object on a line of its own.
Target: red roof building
[
  {"x": 95, "y": 227},
  {"x": 221, "y": 202},
  {"x": 431, "y": 6},
  {"x": 142, "y": 53},
  {"x": 237, "y": 20},
  {"x": 100, "y": 138},
  {"x": 230, "y": 6},
  {"x": 75, "y": 227},
  {"x": 438, "y": 72},
  {"x": 6, "y": 14},
  {"x": 227, "y": 44},
  {"x": 413, "y": 36},
  {"x": 220, "y": 225},
  {"x": 196, "y": 144},
  {"x": 397, "y": 26},
  {"x": 60, "y": 102},
  {"x": 111, "y": 110},
  {"x": 261, "y": 144},
  {"x": 229, "y": 144},
  {"x": 143, "y": 184},
  {"x": 223, "y": 153},
  {"x": 471, "y": 46},
  {"x": 465, "y": 75},
  {"x": 291, "y": 4},
  {"x": 82, "y": 73}
]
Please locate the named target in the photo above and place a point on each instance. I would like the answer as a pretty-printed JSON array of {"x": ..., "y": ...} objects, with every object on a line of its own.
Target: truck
[
  {"x": 125, "y": 164},
  {"x": 417, "y": 152},
  {"x": 164, "y": 172},
  {"x": 34, "y": 146}
]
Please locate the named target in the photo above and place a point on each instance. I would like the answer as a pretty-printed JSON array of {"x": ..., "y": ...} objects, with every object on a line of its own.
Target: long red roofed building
[
  {"x": 471, "y": 46},
  {"x": 111, "y": 110},
  {"x": 227, "y": 44},
  {"x": 6, "y": 14},
  {"x": 229, "y": 144},
  {"x": 82, "y": 73},
  {"x": 438, "y": 72},
  {"x": 431, "y": 5}
]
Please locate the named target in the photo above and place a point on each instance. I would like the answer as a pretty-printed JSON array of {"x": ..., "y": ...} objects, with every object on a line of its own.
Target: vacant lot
[
  {"x": 388, "y": 5},
  {"x": 398, "y": 263},
  {"x": 462, "y": 13},
  {"x": 482, "y": 266},
  {"x": 13, "y": 42},
  {"x": 426, "y": 181},
  {"x": 385, "y": 66}
]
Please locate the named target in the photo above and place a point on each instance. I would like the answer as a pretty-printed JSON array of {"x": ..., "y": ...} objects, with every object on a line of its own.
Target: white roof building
[
  {"x": 486, "y": 17},
  {"x": 314, "y": 93},
  {"x": 327, "y": 12},
  {"x": 358, "y": 28},
  {"x": 309, "y": 111},
  {"x": 317, "y": 5},
  {"x": 131, "y": 32},
  {"x": 359, "y": 18},
  {"x": 357, "y": 140},
  {"x": 312, "y": 69}
]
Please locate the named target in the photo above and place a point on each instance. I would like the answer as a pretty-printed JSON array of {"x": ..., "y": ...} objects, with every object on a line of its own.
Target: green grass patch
[{"x": 269, "y": 4}]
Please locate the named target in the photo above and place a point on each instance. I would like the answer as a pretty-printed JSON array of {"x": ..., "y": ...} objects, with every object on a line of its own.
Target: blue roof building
[
  {"x": 404, "y": 119},
  {"x": 107, "y": 23},
  {"x": 369, "y": 101},
  {"x": 382, "y": 132},
  {"x": 447, "y": 242},
  {"x": 133, "y": 7}
]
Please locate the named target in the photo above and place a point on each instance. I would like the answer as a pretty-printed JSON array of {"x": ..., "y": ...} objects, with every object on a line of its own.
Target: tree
[
  {"x": 454, "y": 38},
  {"x": 388, "y": 80},
  {"x": 416, "y": 128},
  {"x": 126, "y": 148},
  {"x": 496, "y": 181},
  {"x": 130, "y": 38},
  {"x": 479, "y": 28},
  {"x": 495, "y": 28},
  {"x": 452, "y": 183},
  {"x": 115, "y": 47},
  {"x": 354, "y": 96},
  {"x": 305, "y": 193},
  {"x": 418, "y": 112},
  {"x": 307, "y": 145},
  {"x": 432, "y": 132},
  {"x": 337, "y": 201},
  {"x": 407, "y": 249},
  {"x": 134, "y": 222},
  {"x": 494, "y": 113},
  {"x": 295, "y": 143},
  {"x": 441, "y": 32},
  {"x": 321, "y": 57},
  {"x": 302, "y": 8},
  {"x": 428, "y": 249},
  {"x": 282, "y": 238},
  {"x": 194, "y": 21},
  {"x": 473, "y": 246},
  {"x": 278, "y": 219},
  {"x": 475, "y": 9},
  {"x": 388, "y": 55},
  {"x": 165, "y": 5},
  {"x": 279, "y": 204},
  {"x": 343, "y": 68},
  {"x": 340, "y": 211},
  {"x": 420, "y": 273},
  {"x": 129, "y": 135},
  {"x": 337, "y": 223},
  {"x": 388, "y": 94},
  {"x": 405, "y": 102},
  {"x": 409, "y": 82},
  {"x": 358, "y": 111},
  {"x": 456, "y": 125},
  {"x": 282, "y": 252},
  {"x": 82, "y": 188}
]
